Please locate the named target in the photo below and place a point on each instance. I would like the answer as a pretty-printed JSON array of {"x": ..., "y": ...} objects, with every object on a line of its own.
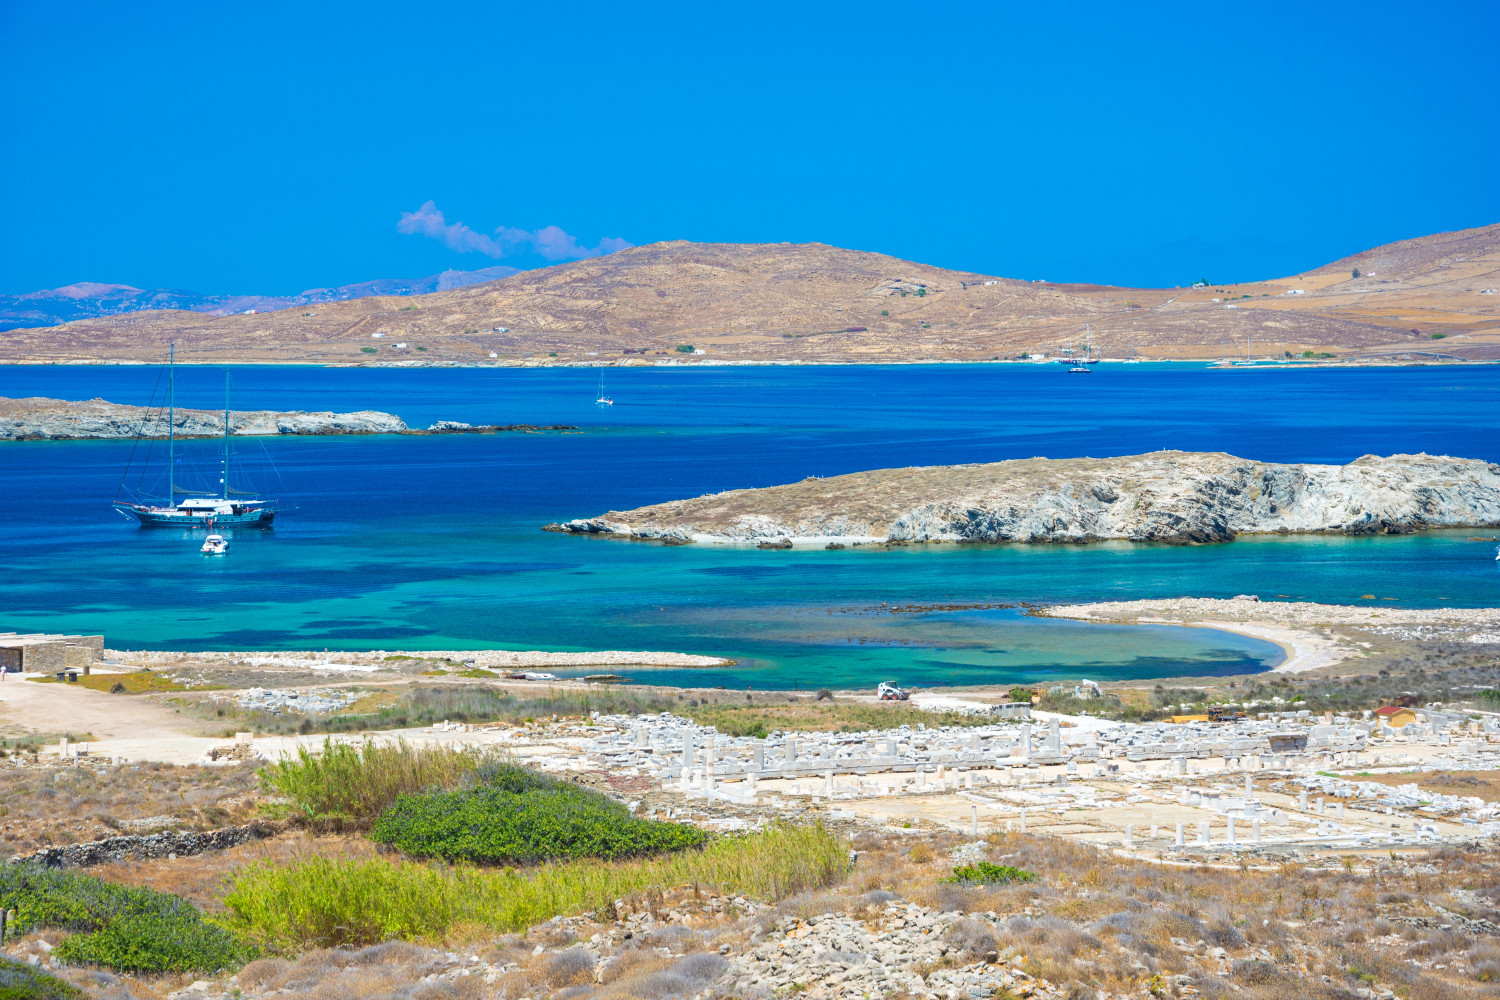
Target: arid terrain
[
  {"x": 1430, "y": 298},
  {"x": 940, "y": 848},
  {"x": 1165, "y": 496}
]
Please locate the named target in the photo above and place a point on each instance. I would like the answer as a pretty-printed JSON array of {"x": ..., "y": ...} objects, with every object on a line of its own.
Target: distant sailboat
[
  {"x": 603, "y": 400},
  {"x": 1079, "y": 365},
  {"x": 202, "y": 508}
]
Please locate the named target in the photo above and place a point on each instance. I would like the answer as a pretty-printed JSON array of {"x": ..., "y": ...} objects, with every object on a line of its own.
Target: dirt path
[{"x": 28, "y": 708}]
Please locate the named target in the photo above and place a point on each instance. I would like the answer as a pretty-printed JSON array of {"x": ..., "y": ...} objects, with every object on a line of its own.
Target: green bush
[
  {"x": 369, "y": 350},
  {"x": 985, "y": 873},
  {"x": 324, "y": 902},
  {"x": 23, "y": 982},
  {"x": 684, "y": 348},
  {"x": 350, "y": 785},
  {"x": 124, "y": 928},
  {"x": 517, "y": 816}
]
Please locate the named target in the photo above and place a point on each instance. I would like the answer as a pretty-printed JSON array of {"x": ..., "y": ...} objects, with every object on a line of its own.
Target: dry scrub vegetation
[{"x": 42, "y": 806}]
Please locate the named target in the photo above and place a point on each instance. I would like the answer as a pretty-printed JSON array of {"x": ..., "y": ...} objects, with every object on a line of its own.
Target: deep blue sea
[{"x": 434, "y": 542}]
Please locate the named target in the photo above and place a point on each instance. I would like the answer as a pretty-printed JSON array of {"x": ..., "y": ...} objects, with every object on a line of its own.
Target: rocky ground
[
  {"x": 1090, "y": 925},
  {"x": 1168, "y": 496}
]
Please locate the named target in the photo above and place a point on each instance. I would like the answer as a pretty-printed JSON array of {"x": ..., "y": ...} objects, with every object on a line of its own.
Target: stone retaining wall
[{"x": 143, "y": 847}]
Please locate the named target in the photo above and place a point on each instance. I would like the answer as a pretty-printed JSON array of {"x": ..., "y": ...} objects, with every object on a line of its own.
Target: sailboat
[
  {"x": 1079, "y": 364},
  {"x": 201, "y": 508},
  {"x": 603, "y": 400}
]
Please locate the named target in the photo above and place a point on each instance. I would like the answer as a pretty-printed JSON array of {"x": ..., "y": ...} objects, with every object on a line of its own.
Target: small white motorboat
[
  {"x": 214, "y": 545},
  {"x": 1080, "y": 369}
]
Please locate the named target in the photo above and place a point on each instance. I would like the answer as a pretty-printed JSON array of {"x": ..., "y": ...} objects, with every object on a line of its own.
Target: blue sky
[{"x": 273, "y": 147}]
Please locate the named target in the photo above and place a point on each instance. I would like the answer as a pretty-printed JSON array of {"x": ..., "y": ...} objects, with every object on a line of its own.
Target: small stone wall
[{"x": 143, "y": 847}]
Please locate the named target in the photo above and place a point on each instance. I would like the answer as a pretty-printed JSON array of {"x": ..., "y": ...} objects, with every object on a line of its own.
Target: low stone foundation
[{"x": 143, "y": 847}]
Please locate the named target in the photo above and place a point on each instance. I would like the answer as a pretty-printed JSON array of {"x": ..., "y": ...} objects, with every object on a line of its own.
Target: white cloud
[{"x": 549, "y": 242}]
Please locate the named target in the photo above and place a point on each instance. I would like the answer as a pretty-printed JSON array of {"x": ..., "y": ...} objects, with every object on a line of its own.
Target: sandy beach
[{"x": 1313, "y": 635}]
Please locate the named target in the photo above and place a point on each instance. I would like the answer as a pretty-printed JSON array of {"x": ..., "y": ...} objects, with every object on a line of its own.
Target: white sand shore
[{"x": 1294, "y": 625}]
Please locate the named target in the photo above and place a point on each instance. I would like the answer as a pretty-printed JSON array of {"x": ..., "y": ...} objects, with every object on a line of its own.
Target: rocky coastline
[
  {"x": 43, "y": 419},
  {"x": 1167, "y": 496}
]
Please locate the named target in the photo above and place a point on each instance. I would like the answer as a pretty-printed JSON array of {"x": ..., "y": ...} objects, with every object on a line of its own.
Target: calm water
[{"x": 402, "y": 542}]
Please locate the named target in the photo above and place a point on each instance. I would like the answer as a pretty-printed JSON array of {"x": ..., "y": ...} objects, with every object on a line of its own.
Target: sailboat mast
[
  {"x": 226, "y": 434},
  {"x": 171, "y": 419}
]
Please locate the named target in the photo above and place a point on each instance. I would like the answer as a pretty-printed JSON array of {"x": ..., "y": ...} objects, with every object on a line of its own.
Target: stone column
[
  {"x": 791, "y": 750},
  {"x": 1249, "y": 789},
  {"x": 1229, "y": 837},
  {"x": 687, "y": 750},
  {"x": 973, "y": 821},
  {"x": 1023, "y": 820},
  {"x": 1302, "y": 800},
  {"x": 1203, "y": 834},
  {"x": 1255, "y": 829},
  {"x": 1129, "y": 836},
  {"x": 1180, "y": 834},
  {"x": 758, "y": 756}
]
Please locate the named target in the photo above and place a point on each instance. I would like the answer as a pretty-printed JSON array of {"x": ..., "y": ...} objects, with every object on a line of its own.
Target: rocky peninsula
[
  {"x": 41, "y": 419},
  {"x": 1165, "y": 496}
]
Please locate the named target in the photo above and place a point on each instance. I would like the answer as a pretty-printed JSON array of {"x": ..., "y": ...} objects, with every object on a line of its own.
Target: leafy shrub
[
  {"x": 124, "y": 928},
  {"x": 369, "y": 350},
  {"x": 520, "y": 817},
  {"x": 324, "y": 902},
  {"x": 986, "y": 873},
  {"x": 351, "y": 785},
  {"x": 684, "y": 348}
]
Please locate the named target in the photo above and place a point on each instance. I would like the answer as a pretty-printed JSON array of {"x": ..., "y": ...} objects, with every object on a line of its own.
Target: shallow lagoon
[{"x": 433, "y": 542}]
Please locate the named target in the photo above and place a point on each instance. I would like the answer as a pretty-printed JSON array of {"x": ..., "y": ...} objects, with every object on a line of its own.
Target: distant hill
[
  {"x": 813, "y": 303},
  {"x": 90, "y": 299}
]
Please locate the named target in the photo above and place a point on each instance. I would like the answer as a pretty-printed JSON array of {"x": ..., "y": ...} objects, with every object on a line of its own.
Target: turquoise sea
[{"x": 434, "y": 542}]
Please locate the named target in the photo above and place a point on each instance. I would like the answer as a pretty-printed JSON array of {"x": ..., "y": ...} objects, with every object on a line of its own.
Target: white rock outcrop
[
  {"x": 1182, "y": 497},
  {"x": 41, "y": 419}
]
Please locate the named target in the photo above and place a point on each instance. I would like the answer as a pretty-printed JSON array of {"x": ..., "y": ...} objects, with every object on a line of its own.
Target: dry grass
[
  {"x": 42, "y": 806},
  {"x": 1102, "y": 922},
  {"x": 1484, "y": 784},
  {"x": 201, "y": 877},
  {"x": 139, "y": 682}
]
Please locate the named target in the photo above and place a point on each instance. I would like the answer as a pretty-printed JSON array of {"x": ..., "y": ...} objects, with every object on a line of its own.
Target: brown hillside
[{"x": 817, "y": 303}]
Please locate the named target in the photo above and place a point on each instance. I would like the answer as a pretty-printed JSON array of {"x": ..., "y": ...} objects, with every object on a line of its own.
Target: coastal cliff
[
  {"x": 1167, "y": 496},
  {"x": 42, "y": 419}
]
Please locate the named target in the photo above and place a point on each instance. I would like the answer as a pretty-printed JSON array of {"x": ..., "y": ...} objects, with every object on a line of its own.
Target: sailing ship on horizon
[{"x": 227, "y": 507}]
